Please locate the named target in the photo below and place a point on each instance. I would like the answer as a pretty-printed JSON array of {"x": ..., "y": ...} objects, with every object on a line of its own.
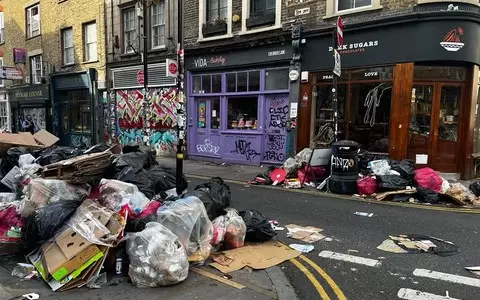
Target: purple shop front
[{"x": 238, "y": 116}]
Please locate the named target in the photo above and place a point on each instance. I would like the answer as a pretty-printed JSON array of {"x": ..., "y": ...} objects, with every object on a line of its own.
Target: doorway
[
  {"x": 206, "y": 127},
  {"x": 434, "y": 125}
]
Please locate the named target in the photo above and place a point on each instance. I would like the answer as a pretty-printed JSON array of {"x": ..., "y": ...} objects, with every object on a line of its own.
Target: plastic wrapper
[
  {"x": 445, "y": 186},
  {"x": 475, "y": 188},
  {"x": 258, "y": 227},
  {"x": 157, "y": 258},
  {"x": 114, "y": 194},
  {"x": 428, "y": 179},
  {"x": 44, "y": 223},
  {"x": 9, "y": 218},
  {"x": 235, "y": 230},
  {"x": 219, "y": 229},
  {"x": 188, "y": 219},
  {"x": 366, "y": 185},
  {"x": 40, "y": 192},
  {"x": 25, "y": 159},
  {"x": 460, "y": 193},
  {"x": 8, "y": 197},
  {"x": 380, "y": 167},
  {"x": 291, "y": 165}
]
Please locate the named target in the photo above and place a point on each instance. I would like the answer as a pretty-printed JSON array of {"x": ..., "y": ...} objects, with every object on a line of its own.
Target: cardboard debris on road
[
  {"x": 474, "y": 270},
  {"x": 255, "y": 256},
  {"x": 308, "y": 234},
  {"x": 418, "y": 244},
  {"x": 382, "y": 196},
  {"x": 390, "y": 246}
]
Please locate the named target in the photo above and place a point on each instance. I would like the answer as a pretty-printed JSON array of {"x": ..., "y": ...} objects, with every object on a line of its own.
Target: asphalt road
[{"x": 359, "y": 236}]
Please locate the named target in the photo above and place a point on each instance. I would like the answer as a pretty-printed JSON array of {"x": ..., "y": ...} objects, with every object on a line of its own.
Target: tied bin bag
[
  {"x": 258, "y": 227},
  {"x": 215, "y": 196},
  {"x": 428, "y": 179},
  {"x": 366, "y": 185}
]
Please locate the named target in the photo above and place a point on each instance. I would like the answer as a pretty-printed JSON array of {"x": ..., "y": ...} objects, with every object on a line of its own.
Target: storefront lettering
[
  {"x": 276, "y": 53},
  {"x": 243, "y": 147},
  {"x": 204, "y": 62},
  {"x": 355, "y": 47},
  {"x": 327, "y": 77},
  {"x": 371, "y": 74},
  {"x": 29, "y": 94}
]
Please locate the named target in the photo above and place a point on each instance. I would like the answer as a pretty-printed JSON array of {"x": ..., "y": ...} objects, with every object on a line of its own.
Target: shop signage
[
  {"x": 339, "y": 31},
  {"x": 11, "y": 73},
  {"x": 337, "y": 67},
  {"x": 432, "y": 40},
  {"x": 71, "y": 81},
  {"x": 140, "y": 77},
  {"x": 34, "y": 92},
  {"x": 19, "y": 55},
  {"x": 253, "y": 56},
  {"x": 171, "y": 68}
]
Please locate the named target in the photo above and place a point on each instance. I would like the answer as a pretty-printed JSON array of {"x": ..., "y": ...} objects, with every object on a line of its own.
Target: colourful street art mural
[{"x": 159, "y": 112}]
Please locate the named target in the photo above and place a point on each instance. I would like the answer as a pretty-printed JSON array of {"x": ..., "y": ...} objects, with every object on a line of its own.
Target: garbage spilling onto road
[
  {"x": 414, "y": 243},
  {"x": 80, "y": 214}
]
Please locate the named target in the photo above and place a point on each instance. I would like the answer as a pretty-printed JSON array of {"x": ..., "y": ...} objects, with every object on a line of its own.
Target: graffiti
[
  {"x": 37, "y": 116},
  {"x": 163, "y": 142},
  {"x": 275, "y": 142},
  {"x": 274, "y": 156},
  {"x": 244, "y": 148},
  {"x": 342, "y": 163},
  {"x": 207, "y": 147},
  {"x": 278, "y": 116}
]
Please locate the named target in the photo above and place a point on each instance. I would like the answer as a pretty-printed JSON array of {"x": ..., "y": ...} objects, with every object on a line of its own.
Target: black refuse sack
[
  {"x": 218, "y": 189},
  {"x": 10, "y": 158},
  {"x": 475, "y": 188},
  {"x": 141, "y": 179},
  {"x": 136, "y": 160},
  {"x": 364, "y": 157},
  {"x": 97, "y": 148},
  {"x": 213, "y": 205},
  {"x": 55, "y": 154},
  {"x": 392, "y": 183},
  {"x": 258, "y": 227},
  {"x": 405, "y": 167},
  {"x": 427, "y": 195},
  {"x": 166, "y": 179},
  {"x": 45, "y": 222}
]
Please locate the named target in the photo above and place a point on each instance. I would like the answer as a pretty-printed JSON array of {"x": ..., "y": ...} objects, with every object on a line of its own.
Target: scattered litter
[
  {"x": 302, "y": 248},
  {"x": 307, "y": 234},
  {"x": 23, "y": 270},
  {"x": 354, "y": 269},
  {"x": 418, "y": 244},
  {"x": 96, "y": 282},
  {"x": 390, "y": 246},
  {"x": 351, "y": 250},
  {"x": 31, "y": 296},
  {"x": 364, "y": 214},
  {"x": 328, "y": 239},
  {"x": 474, "y": 270}
]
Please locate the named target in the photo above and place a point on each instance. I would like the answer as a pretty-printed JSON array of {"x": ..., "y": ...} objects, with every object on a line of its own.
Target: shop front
[
  {"x": 128, "y": 108},
  {"x": 238, "y": 106},
  {"x": 407, "y": 90},
  {"x": 30, "y": 108},
  {"x": 74, "y": 108}
]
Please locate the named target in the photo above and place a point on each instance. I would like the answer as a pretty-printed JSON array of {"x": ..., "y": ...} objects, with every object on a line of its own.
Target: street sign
[
  {"x": 337, "y": 69},
  {"x": 140, "y": 77},
  {"x": 172, "y": 68},
  {"x": 339, "y": 31},
  {"x": 11, "y": 73}
]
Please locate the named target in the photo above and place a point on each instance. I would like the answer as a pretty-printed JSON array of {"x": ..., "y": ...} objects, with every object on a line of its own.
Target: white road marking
[
  {"x": 409, "y": 294},
  {"x": 350, "y": 258},
  {"x": 447, "y": 277}
]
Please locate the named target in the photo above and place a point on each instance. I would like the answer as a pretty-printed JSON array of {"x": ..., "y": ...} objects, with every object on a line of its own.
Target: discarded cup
[
  {"x": 364, "y": 214},
  {"x": 302, "y": 248}
]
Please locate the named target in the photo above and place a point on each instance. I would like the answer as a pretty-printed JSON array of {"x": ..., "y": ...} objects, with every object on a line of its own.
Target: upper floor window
[
  {"x": 90, "y": 41},
  {"x": 33, "y": 21},
  {"x": 352, "y": 4},
  {"x": 36, "y": 69},
  {"x": 261, "y": 14},
  {"x": 2, "y": 28},
  {"x": 216, "y": 10},
  {"x": 1, "y": 65},
  {"x": 262, "y": 7},
  {"x": 129, "y": 29},
  {"x": 68, "y": 54},
  {"x": 158, "y": 25}
]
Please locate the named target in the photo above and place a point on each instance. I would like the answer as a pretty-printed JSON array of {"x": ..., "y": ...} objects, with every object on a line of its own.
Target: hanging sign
[
  {"x": 337, "y": 69},
  {"x": 339, "y": 32},
  {"x": 11, "y": 73},
  {"x": 172, "y": 68}
]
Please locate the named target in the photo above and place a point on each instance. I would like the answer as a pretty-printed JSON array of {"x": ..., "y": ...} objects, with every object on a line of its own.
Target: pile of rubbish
[
  {"x": 399, "y": 181},
  {"x": 80, "y": 214}
]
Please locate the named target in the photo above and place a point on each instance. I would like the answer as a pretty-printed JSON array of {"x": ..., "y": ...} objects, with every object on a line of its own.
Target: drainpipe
[
  {"x": 180, "y": 98},
  {"x": 145, "y": 71}
]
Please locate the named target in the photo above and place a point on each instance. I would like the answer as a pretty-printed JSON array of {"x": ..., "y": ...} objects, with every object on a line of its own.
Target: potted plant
[
  {"x": 217, "y": 27},
  {"x": 261, "y": 20}
]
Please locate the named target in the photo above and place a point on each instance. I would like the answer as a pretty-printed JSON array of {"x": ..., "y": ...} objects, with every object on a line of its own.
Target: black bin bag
[
  {"x": 258, "y": 227},
  {"x": 217, "y": 189}
]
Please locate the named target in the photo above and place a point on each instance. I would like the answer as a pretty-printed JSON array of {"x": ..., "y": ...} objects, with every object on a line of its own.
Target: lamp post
[{"x": 180, "y": 97}]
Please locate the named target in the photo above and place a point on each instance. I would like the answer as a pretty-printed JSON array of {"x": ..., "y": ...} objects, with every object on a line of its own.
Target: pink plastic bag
[
  {"x": 366, "y": 185},
  {"x": 319, "y": 172},
  {"x": 428, "y": 179}
]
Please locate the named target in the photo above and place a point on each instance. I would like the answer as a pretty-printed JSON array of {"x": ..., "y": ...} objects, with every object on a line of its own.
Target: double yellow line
[{"x": 316, "y": 284}]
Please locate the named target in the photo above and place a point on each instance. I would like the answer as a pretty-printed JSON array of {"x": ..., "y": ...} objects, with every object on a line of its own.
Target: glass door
[{"x": 206, "y": 127}]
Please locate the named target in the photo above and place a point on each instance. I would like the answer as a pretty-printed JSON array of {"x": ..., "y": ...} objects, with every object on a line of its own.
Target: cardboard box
[
  {"x": 59, "y": 266},
  {"x": 45, "y": 138}
]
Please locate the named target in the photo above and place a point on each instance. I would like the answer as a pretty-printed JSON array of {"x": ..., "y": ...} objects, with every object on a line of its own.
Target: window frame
[
  {"x": 264, "y": 11},
  {"x": 128, "y": 48},
  {"x": 2, "y": 27},
  {"x": 217, "y": 9},
  {"x": 63, "y": 31},
  {"x": 33, "y": 71},
  {"x": 352, "y": 9},
  {"x": 160, "y": 25},
  {"x": 2, "y": 81},
  {"x": 28, "y": 21},
  {"x": 87, "y": 43},
  {"x": 246, "y": 7},
  {"x": 202, "y": 19},
  {"x": 6, "y": 116}
]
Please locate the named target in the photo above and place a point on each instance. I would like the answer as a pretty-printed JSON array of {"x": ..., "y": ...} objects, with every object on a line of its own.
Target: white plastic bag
[
  {"x": 157, "y": 258},
  {"x": 114, "y": 194},
  {"x": 235, "y": 230},
  {"x": 188, "y": 219},
  {"x": 25, "y": 159}
]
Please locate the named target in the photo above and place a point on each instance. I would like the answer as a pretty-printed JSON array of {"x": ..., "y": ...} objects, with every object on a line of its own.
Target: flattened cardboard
[
  {"x": 255, "y": 256},
  {"x": 24, "y": 139},
  {"x": 45, "y": 138}
]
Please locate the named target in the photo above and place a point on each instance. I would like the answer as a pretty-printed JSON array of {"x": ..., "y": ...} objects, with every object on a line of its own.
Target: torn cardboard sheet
[
  {"x": 474, "y": 270},
  {"x": 307, "y": 234},
  {"x": 255, "y": 256},
  {"x": 390, "y": 246},
  {"x": 45, "y": 138}
]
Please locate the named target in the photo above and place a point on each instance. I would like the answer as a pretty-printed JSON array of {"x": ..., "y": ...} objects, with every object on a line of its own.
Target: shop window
[
  {"x": 247, "y": 81},
  {"x": 437, "y": 72},
  {"x": 324, "y": 108},
  {"x": 242, "y": 113},
  {"x": 206, "y": 84},
  {"x": 276, "y": 79},
  {"x": 231, "y": 82},
  {"x": 242, "y": 82},
  {"x": 215, "y": 114},
  {"x": 201, "y": 114},
  {"x": 81, "y": 116},
  {"x": 449, "y": 112},
  {"x": 216, "y": 83},
  {"x": 370, "y": 115},
  {"x": 253, "y": 81},
  {"x": 197, "y": 84},
  {"x": 476, "y": 131},
  {"x": 343, "y": 5}
]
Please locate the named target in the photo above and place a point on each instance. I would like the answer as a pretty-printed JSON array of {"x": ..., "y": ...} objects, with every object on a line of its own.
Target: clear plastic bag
[
  {"x": 157, "y": 258},
  {"x": 40, "y": 192},
  {"x": 7, "y": 197},
  {"x": 25, "y": 159},
  {"x": 188, "y": 219},
  {"x": 219, "y": 229},
  {"x": 114, "y": 194},
  {"x": 235, "y": 230}
]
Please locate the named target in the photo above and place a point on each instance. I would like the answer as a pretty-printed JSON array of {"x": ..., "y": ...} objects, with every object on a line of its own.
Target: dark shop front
[
  {"x": 408, "y": 90},
  {"x": 238, "y": 105},
  {"x": 30, "y": 106}
]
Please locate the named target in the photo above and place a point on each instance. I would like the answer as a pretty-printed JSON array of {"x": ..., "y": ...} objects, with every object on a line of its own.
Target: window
[
  {"x": 352, "y": 4},
  {"x": 4, "y": 115},
  {"x": 242, "y": 113},
  {"x": 90, "y": 42},
  {"x": 206, "y": 84},
  {"x": 2, "y": 28},
  {"x": 67, "y": 45},
  {"x": 33, "y": 21},
  {"x": 276, "y": 79},
  {"x": 262, "y": 7},
  {"x": 36, "y": 69},
  {"x": 1, "y": 65},
  {"x": 129, "y": 29},
  {"x": 158, "y": 25},
  {"x": 248, "y": 81},
  {"x": 216, "y": 10}
]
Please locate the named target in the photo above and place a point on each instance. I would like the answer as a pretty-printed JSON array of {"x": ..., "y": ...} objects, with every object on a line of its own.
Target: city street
[{"x": 359, "y": 236}]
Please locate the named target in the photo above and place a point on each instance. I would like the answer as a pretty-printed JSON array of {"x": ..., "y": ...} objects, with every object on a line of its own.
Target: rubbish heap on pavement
[{"x": 80, "y": 214}]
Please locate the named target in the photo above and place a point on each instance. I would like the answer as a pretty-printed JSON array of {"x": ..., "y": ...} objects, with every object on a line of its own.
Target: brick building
[
  {"x": 408, "y": 89},
  {"x": 59, "y": 47},
  {"x": 128, "y": 106}
]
